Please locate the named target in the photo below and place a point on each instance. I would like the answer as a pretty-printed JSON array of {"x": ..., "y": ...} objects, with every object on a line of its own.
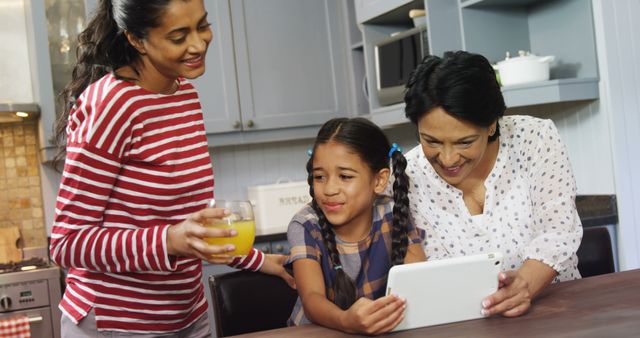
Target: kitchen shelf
[
  {"x": 535, "y": 93},
  {"x": 389, "y": 115},
  {"x": 552, "y": 91},
  {"x": 388, "y": 12},
  {"x": 498, "y": 3}
]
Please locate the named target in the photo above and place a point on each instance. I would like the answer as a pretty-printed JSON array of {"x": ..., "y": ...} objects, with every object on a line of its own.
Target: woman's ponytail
[{"x": 102, "y": 47}]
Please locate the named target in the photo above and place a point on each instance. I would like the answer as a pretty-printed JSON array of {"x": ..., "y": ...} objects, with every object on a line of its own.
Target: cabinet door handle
[
  {"x": 237, "y": 125},
  {"x": 36, "y": 319},
  {"x": 250, "y": 124}
]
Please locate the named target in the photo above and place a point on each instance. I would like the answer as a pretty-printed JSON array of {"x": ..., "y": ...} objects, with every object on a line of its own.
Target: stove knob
[{"x": 5, "y": 303}]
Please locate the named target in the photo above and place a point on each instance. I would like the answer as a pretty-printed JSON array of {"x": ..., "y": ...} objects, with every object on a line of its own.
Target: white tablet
[{"x": 444, "y": 291}]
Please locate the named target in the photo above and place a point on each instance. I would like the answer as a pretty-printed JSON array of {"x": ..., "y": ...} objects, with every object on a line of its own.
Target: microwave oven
[{"x": 395, "y": 59}]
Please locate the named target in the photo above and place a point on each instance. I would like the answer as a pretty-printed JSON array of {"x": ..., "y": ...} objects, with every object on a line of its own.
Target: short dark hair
[{"x": 462, "y": 83}]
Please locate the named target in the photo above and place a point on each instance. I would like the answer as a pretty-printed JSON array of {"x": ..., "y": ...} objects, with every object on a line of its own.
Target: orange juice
[{"x": 243, "y": 241}]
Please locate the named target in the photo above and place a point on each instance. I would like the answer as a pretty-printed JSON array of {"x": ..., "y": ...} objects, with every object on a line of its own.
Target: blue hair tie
[
  {"x": 310, "y": 152},
  {"x": 337, "y": 267},
  {"x": 394, "y": 148}
]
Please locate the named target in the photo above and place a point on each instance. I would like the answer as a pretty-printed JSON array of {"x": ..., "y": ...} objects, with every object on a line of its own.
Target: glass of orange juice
[{"x": 241, "y": 219}]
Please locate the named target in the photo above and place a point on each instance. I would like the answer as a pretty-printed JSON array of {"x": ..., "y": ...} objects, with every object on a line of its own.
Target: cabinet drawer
[
  {"x": 273, "y": 247},
  {"x": 263, "y": 246},
  {"x": 280, "y": 247}
]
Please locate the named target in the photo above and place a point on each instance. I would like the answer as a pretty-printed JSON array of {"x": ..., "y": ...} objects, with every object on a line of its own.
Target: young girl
[
  {"x": 138, "y": 176},
  {"x": 346, "y": 240}
]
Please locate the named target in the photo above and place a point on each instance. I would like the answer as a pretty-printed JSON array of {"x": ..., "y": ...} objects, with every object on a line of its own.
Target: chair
[
  {"x": 595, "y": 256},
  {"x": 245, "y": 301}
]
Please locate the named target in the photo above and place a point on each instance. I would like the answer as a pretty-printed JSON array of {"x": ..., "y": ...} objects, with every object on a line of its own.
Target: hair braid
[
  {"x": 400, "y": 209},
  {"x": 344, "y": 288}
]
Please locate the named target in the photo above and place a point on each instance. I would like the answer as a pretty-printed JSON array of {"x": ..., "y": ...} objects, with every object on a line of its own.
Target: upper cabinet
[
  {"x": 562, "y": 28},
  {"x": 218, "y": 87},
  {"x": 382, "y": 20},
  {"x": 272, "y": 66},
  {"x": 276, "y": 69}
]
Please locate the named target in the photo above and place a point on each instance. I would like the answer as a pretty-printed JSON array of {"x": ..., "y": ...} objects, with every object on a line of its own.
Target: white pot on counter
[{"x": 524, "y": 68}]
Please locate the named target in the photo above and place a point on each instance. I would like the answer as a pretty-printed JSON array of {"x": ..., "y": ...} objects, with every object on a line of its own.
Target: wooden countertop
[{"x": 602, "y": 306}]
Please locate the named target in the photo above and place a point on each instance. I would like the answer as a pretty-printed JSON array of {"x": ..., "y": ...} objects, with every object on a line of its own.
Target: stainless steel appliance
[
  {"x": 395, "y": 59},
  {"x": 32, "y": 288}
]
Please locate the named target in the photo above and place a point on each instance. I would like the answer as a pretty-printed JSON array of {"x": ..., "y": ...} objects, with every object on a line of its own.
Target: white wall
[
  {"x": 617, "y": 38},
  {"x": 15, "y": 70},
  {"x": 584, "y": 129},
  {"x": 237, "y": 167}
]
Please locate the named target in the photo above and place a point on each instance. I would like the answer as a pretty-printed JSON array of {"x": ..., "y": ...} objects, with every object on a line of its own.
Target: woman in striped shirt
[{"x": 138, "y": 176}]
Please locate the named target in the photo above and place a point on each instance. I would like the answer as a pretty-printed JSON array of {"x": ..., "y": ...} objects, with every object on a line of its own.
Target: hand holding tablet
[{"x": 444, "y": 291}]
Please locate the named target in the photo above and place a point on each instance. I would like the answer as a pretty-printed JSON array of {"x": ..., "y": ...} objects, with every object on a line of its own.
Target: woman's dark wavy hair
[
  {"x": 461, "y": 83},
  {"x": 370, "y": 143},
  {"x": 103, "y": 47}
]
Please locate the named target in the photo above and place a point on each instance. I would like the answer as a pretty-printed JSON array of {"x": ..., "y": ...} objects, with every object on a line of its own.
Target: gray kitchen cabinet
[
  {"x": 52, "y": 29},
  {"x": 218, "y": 87},
  {"x": 276, "y": 64},
  {"x": 563, "y": 28}
]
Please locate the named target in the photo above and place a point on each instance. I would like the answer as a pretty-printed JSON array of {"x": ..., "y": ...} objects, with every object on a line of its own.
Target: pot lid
[{"x": 526, "y": 56}]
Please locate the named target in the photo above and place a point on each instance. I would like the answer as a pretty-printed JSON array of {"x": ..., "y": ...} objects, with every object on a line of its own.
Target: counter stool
[
  {"x": 245, "y": 301},
  {"x": 595, "y": 255}
]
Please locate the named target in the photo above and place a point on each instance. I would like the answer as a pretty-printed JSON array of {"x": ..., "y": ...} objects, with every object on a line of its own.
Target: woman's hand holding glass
[
  {"x": 187, "y": 238},
  {"x": 218, "y": 233},
  {"x": 240, "y": 218}
]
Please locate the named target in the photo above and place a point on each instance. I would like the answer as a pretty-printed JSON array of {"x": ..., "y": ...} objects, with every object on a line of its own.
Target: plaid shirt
[{"x": 367, "y": 261}]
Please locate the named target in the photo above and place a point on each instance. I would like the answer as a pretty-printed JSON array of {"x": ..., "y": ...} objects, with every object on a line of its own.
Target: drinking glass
[{"x": 241, "y": 219}]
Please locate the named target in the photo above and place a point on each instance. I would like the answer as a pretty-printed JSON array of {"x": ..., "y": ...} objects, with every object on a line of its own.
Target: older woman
[{"x": 484, "y": 182}]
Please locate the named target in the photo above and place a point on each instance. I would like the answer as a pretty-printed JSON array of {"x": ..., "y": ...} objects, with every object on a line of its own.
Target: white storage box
[{"x": 275, "y": 205}]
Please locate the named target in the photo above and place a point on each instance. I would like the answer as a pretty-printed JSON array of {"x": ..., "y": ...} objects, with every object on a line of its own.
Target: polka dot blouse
[{"x": 529, "y": 210}]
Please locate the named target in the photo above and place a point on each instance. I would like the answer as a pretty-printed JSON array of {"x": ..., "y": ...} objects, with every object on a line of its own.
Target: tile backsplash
[{"x": 20, "y": 191}]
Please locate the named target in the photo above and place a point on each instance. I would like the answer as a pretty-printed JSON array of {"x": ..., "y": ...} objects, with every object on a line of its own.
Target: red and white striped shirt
[{"x": 137, "y": 162}]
